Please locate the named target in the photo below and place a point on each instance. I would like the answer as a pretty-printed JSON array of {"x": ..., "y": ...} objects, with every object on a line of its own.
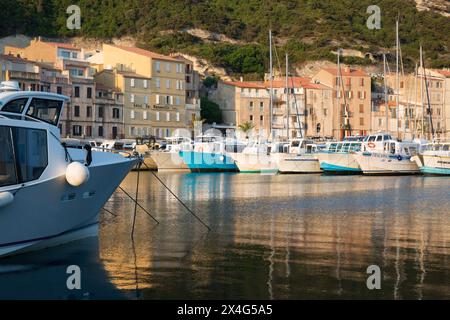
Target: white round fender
[
  {"x": 6, "y": 198},
  {"x": 77, "y": 174}
]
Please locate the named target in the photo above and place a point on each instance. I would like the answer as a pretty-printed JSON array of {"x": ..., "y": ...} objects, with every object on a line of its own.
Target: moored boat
[
  {"x": 169, "y": 159},
  {"x": 49, "y": 193},
  {"x": 435, "y": 159}
]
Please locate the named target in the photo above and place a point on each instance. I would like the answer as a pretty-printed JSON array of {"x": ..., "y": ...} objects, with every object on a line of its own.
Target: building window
[
  {"x": 361, "y": 121},
  {"x": 361, "y": 82},
  {"x": 88, "y": 111},
  {"x": 318, "y": 127},
  {"x": 76, "y": 111},
  {"x": 145, "y": 83},
  {"x": 261, "y": 118},
  {"x": 144, "y": 115},
  {"x": 59, "y": 90},
  {"x": 261, "y": 106},
  {"x": 114, "y": 132},
  {"x": 132, "y": 98},
  {"x": 157, "y": 66},
  {"x": 167, "y": 84},
  {"x": 100, "y": 112},
  {"x": 167, "y": 67},
  {"x": 178, "y": 116},
  {"x": 158, "y": 83},
  {"x": 89, "y": 93},
  {"x": 361, "y": 108},
  {"x": 132, "y": 82},
  {"x": 157, "y": 99},
  {"x": 76, "y": 130},
  {"x": 177, "y": 101},
  {"x": 188, "y": 79},
  {"x": 77, "y": 92},
  {"x": 100, "y": 131},
  {"x": 167, "y": 116},
  {"x": 251, "y": 105},
  {"x": 116, "y": 113},
  {"x": 157, "y": 115},
  {"x": 251, "y": 117},
  {"x": 132, "y": 114},
  {"x": 88, "y": 131},
  {"x": 145, "y": 99}
]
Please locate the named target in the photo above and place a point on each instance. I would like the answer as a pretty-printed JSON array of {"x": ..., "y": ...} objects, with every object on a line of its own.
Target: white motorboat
[
  {"x": 170, "y": 159},
  {"x": 255, "y": 158},
  {"x": 299, "y": 158},
  {"x": 395, "y": 158},
  {"x": 49, "y": 193},
  {"x": 435, "y": 159}
]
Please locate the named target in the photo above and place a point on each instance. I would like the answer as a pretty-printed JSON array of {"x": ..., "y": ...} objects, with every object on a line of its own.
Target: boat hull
[
  {"x": 169, "y": 161},
  {"x": 208, "y": 162},
  {"x": 254, "y": 163},
  {"x": 374, "y": 164},
  {"x": 339, "y": 163},
  {"x": 291, "y": 163},
  {"x": 435, "y": 165},
  {"x": 31, "y": 225}
]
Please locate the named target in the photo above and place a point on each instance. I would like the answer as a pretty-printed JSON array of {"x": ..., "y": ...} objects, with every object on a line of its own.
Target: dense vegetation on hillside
[{"x": 306, "y": 29}]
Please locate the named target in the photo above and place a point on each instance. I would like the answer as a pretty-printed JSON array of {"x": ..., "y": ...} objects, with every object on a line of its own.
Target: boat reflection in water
[{"x": 281, "y": 237}]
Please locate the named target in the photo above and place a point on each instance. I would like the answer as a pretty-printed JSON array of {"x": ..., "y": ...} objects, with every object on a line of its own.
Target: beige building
[
  {"x": 416, "y": 107},
  {"x": 351, "y": 103},
  {"x": 154, "y": 89},
  {"x": 308, "y": 113},
  {"x": 109, "y": 109}
]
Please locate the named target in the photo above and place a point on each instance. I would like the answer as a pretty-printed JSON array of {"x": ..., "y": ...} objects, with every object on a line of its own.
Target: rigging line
[
  {"x": 179, "y": 200},
  {"x": 136, "y": 200},
  {"x": 148, "y": 213},
  {"x": 276, "y": 56},
  {"x": 110, "y": 212},
  {"x": 346, "y": 111},
  {"x": 430, "y": 117}
]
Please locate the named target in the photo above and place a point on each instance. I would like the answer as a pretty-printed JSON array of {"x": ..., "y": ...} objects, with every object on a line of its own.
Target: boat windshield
[
  {"x": 333, "y": 147},
  {"x": 45, "y": 110},
  {"x": 355, "y": 147},
  {"x": 345, "y": 147}
]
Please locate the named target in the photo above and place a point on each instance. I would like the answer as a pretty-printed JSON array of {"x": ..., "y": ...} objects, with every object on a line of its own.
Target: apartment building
[
  {"x": 109, "y": 109},
  {"x": 192, "y": 82},
  {"x": 421, "y": 105},
  {"x": 304, "y": 112},
  {"x": 154, "y": 89},
  {"x": 351, "y": 100}
]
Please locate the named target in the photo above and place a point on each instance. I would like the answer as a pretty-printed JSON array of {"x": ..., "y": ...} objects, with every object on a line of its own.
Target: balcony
[{"x": 23, "y": 75}]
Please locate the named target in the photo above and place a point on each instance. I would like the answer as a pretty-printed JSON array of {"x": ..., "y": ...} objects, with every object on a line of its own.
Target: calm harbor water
[{"x": 280, "y": 237}]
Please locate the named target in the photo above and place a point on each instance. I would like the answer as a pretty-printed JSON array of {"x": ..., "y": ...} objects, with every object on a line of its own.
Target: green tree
[
  {"x": 246, "y": 128},
  {"x": 210, "y": 111}
]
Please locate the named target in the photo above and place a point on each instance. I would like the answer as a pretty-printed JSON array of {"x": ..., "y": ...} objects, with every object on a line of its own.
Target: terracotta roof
[
  {"x": 246, "y": 84},
  {"x": 445, "y": 73},
  {"x": 132, "y": 74},
  {"x": 296, "y": 81},
  {"x": 147, "y": 53},
  {"x": 344, "y": 72},
  {"x": 63, "y": 45},
  {"x": 13, "y": 58}
]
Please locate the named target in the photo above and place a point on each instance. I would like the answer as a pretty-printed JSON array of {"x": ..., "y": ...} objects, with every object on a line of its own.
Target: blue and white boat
[
  {"x": 339, "y": 157},
  {"x": 435, "y": 159},
  {"x": 211, "y": 154}
]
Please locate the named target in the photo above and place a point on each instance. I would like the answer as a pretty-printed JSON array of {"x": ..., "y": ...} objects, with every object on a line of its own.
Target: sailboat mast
[
  {"x": 421, "y": 95},
  {"x": 430, "y": 119},
  {"x": 415, "y": 101},
  {"x": 271, "y": 86},
  {"x": 397, "y": 79},
  {"x": 287, "y": 96},
  {"x": 386, "y": 104},
  {"x": 338, "y": 92}
]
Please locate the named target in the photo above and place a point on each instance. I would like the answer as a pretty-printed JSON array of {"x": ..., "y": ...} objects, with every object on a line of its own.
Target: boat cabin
[
  {"x": 343, "y": 147},
  {"x": 375, "y": 142}
]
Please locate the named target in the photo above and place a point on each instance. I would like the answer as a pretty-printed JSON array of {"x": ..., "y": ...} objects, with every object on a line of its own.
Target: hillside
[{"x": 233, "y": 34}]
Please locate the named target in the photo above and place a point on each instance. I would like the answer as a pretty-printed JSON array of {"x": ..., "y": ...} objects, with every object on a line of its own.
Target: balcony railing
[{"x": 24, "y": 75}]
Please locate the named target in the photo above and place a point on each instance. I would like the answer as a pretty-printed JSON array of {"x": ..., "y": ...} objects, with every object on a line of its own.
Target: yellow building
[{"x": 153, "y": 86}]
